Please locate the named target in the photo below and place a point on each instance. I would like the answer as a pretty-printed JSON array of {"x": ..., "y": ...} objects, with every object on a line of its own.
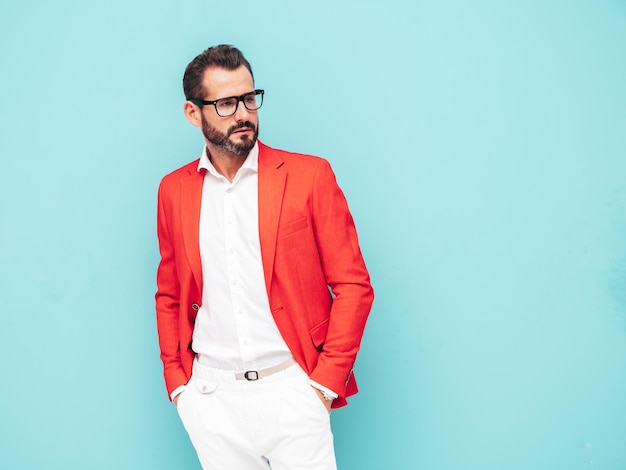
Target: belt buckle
[{"x": 248, "y": 375}]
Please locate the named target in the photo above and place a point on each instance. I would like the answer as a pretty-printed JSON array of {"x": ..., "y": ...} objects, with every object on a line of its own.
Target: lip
[{"x": 242, "y": 129}]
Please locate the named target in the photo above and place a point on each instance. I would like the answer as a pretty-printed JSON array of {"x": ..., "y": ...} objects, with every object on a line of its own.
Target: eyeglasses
[{"x": 225, "y": 107}]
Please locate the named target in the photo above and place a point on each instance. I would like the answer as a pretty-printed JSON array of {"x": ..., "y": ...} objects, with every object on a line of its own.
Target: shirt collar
[{"x": 251, "y": 163}]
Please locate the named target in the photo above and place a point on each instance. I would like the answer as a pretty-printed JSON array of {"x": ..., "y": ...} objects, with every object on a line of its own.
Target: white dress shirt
[{"x": 234, "y": 329}]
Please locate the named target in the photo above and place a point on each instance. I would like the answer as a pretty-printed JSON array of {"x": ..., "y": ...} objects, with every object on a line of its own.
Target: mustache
[{"x": 240, "y": 125}]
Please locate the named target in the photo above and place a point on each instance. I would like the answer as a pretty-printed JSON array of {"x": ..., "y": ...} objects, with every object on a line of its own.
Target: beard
[{"x": 222, "y": 140}]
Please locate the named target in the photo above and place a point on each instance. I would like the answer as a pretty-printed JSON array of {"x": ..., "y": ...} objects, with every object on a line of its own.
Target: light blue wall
[{"x": 481, "y": 144}]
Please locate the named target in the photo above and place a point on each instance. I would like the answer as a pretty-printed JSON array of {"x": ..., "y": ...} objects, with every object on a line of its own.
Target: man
[{"x": 262, "y": 291}]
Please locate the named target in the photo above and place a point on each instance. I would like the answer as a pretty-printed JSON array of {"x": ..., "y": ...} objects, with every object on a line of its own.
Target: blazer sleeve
[
  {"x": 347, "y": 277},
  {"x": 168, "y": 295}
]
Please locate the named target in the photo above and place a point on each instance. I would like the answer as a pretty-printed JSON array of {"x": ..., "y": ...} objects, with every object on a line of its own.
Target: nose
[{"x": 241, "y": 113}]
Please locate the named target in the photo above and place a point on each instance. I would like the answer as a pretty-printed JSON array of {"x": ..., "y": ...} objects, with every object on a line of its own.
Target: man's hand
[{"x": 326, "y": 403}]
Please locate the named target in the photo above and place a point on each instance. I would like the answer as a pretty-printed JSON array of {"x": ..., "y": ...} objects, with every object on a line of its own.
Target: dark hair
[{"x": 224, "y": 56}]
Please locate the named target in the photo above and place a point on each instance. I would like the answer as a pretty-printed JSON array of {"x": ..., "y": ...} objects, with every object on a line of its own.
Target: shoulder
[
  {"x": 183, "y": 172},
  {"x": 291, "y": 160}
]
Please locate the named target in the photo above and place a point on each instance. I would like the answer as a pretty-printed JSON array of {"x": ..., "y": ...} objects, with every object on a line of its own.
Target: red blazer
[{"x": 308, "y": 245}]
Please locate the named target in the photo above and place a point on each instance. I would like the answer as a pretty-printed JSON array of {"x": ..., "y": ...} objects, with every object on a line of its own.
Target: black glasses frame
[{"x": 239, "y": 99}]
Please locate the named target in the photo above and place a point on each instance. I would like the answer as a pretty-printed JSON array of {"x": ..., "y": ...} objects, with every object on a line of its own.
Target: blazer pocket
[
  {"x": 318, "y": 334},
  {"x": 293, "y": 226}
]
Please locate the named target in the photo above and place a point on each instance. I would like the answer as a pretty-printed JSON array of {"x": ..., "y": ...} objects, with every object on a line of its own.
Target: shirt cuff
[
  {"x": 177, "y": 391},
  {"x": 327, "y": 391}
]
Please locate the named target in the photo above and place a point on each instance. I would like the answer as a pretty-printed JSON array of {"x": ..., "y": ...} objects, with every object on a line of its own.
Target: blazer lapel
[
  {"x": 190, "y": 202},
  {"x": 271, "y": 189}
]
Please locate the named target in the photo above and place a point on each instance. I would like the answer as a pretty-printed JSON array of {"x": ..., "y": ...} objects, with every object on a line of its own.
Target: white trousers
[{"x": 277, "y": 422}]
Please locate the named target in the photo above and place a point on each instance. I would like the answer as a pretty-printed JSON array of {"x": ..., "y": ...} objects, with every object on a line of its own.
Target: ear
[{"x": 192, "y": 113}]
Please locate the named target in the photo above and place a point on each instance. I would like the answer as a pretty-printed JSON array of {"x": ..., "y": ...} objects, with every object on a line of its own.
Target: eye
[
  {"x": 226, "y": 103},
  {"x": 250, "y": 99}
]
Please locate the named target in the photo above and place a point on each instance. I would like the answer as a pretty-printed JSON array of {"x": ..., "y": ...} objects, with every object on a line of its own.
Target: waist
[{"x": 203, "y": 368}]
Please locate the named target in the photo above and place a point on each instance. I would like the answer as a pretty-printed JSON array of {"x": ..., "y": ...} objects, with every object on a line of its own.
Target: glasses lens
[
  {"x": 226, "y": 106},
  {"x": 253, "y": 101}
]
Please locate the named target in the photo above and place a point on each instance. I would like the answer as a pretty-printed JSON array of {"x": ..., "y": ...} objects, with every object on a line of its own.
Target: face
[{"x": 234, "y": 134}]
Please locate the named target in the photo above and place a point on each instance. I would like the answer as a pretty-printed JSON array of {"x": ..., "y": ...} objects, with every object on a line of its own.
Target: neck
[{"x": 226, "y": 163}]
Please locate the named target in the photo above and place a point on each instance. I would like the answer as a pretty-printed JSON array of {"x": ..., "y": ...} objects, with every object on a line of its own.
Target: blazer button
[{"x": 195, "y": 306}]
